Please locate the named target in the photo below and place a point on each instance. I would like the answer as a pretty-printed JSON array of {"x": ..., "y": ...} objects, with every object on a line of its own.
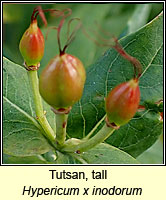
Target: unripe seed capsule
[
  {"x": 122, "y": 102},
  {"x": 32, "y": 45},
  {"x": 61, "y": 83}
]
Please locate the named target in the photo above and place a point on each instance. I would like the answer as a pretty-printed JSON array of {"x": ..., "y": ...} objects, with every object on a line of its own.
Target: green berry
[
  {"x": 61, "y": 83},
  {"x": 32, "y": 45},
  {"x": 122, "y": 102}
]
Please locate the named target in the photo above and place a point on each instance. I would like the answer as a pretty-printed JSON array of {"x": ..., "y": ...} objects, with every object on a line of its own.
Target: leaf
[
  {"x": 101, "y": 154},
  {"x": 23, "y": 160},
  {"x": 113, "y": 24},
  {"x": 139, "y": 134},
  {"x": 66, "y": 159},
  {"x": 154, "y": 155},
  {"x": 22, "y": 135},
  {"x": 107, "y": 154},
  {"x": 110, "y": 70}
]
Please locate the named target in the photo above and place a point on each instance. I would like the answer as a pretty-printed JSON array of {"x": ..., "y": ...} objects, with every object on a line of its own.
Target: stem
[
  {"x": 93, "y": 130},
  {"x": 78, "y": 157},
  {"x": 48, "y": 131},
  {"x": 102, "y": 135},
  {"x": 61, "y": 123}
]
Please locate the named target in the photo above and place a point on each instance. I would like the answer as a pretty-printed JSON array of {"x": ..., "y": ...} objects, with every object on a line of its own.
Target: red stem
[
  {"x": 113, "y": 42},
  {"x": 71, "y": 37},
  {"x": 39, "y": 11},
  {"x": 133, "y": 60},
  {"x": 61, "y": 52}
]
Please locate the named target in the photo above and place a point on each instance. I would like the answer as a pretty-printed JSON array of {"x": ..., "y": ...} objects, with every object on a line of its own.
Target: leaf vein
[
  {"x": 23, "y": 112},
  {"x": 151, "y": 61},
  {"x": 19, "y": 130},
  {"x": 83, "y": 133}
]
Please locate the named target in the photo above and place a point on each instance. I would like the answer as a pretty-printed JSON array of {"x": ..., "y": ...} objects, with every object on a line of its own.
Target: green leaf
[
  {"x": 101, "y": 154},
  {"x": 110, "y": 70},
  {"x": 66, "y": 159},
  {"x": 139, "y": 134},
  {"x": 23, "y": 160},
  {"x": 107, "y": 154},
  {"x": 154, "y": 155},
  {"x": 22, "y": 135}
]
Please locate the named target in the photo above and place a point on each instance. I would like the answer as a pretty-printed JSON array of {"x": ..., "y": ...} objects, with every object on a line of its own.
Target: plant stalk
[
  {"x": 93, "y": 130},
  {"x": 40, "y": 116},
  {"x": 102, "y": 135},
  {"x": 61, "y": 124}
]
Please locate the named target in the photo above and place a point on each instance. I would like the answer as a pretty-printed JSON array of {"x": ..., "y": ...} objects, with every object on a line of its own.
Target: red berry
[
  {"x": 32, "y": 45},
  {"x": 122, "y": 102},
  {"x": 61, "y": 83}
]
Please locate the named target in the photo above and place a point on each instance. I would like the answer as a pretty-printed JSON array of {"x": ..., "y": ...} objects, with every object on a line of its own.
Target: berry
[
  {"x": 61, "y": 83},
  {"x": 122, "y": 102},
  {"x": 32, "y": 45}
]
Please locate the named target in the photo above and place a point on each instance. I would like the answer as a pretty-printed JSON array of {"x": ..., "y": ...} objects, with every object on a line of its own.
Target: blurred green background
[{"x": 116, "y": 18}]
